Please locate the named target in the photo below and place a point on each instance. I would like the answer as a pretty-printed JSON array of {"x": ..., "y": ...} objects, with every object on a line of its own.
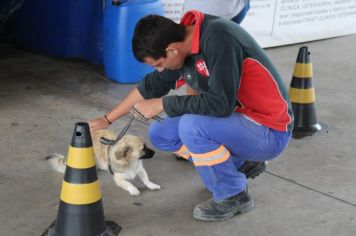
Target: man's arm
[
  {"x": 117, "y": 112},
  {"x": 146, "y": 95}
]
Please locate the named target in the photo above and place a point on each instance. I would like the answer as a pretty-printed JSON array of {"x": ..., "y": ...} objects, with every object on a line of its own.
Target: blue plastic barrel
[
  {"x": 120, "y": 18},
  {"x": 63, "y": 28}
]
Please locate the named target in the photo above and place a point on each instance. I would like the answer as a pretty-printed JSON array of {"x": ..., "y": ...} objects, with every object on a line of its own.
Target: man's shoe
[
  {"x": 225, "y": 209},
  {"x": 253, "y": 169}
]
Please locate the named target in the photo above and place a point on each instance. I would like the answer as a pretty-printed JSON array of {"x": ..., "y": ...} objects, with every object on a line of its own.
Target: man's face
[{"x": 172, "y": 61}]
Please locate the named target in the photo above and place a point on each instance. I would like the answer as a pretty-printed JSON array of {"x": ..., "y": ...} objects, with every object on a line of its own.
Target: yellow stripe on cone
[
  {"x": 302, "y": 96},
  {"x": 80, "y": 194},
  {"x": 302, "y": 70},
  {"x": 81, "y": 158}
]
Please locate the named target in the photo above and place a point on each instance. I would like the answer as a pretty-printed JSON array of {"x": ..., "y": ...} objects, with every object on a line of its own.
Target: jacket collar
[{"x": 194, "y": 18}]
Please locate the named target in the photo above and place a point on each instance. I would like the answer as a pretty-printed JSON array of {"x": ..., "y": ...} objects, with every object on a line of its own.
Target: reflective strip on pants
[
  {"x": 183, "y": 152},
  {"x": 211, "y": 158}
]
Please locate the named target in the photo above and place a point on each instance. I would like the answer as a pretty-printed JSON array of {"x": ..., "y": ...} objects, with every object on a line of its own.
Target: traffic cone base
[
  {"x": 307, "y": 131},
  {"x": 112, "y": 229}
]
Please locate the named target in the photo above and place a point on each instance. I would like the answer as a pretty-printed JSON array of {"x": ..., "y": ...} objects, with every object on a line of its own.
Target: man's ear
[{"x": 172, "y": 49}]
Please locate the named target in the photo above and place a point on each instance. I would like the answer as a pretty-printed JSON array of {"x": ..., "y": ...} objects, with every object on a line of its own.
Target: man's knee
[
  {"x": 189, "y": 127},
  {"x": 163, "y": 137},
  {"x": 155, "y": 133}
]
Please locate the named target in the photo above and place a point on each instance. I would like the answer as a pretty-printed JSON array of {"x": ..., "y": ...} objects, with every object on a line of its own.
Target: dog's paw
[
  {"x": 134, "y": 191},
  {"x": 153, "y": 186}
]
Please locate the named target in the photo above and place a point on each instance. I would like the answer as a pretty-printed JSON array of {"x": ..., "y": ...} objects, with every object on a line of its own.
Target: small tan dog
[{"x": 123, "y": 159}]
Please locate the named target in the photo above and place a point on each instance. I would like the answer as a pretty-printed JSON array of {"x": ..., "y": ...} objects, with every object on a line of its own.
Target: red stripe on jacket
[{"x": 265, "y": 106}]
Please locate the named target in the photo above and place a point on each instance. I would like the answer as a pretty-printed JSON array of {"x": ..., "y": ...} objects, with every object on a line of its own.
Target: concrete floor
[{"x": 309, "y": 190}]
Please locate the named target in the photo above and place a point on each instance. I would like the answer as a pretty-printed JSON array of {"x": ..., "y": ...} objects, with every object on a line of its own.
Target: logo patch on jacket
[{"x": 201, "y": 67}]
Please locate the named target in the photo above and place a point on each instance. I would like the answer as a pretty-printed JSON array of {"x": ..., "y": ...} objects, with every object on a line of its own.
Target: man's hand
[
  {"x": 98, "y": 123},
  {"x": 149, "y": 108}
]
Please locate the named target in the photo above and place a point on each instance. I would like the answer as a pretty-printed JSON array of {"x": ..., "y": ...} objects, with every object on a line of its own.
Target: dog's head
[{"x": 129, "y": 150}]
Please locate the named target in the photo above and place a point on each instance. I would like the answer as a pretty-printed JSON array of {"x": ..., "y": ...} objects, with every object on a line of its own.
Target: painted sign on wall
[{"x": 281, "y": 22}]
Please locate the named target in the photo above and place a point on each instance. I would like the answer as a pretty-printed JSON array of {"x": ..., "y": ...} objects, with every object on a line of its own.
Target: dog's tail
[{"x": 57, "y": 162}]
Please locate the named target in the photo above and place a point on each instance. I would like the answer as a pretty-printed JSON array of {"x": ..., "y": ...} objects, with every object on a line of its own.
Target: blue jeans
[
  {"x": 239, "y": 17},
  {"x": 243, "y": 138}
]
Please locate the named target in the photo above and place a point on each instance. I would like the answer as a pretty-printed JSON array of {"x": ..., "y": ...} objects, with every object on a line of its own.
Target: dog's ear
[{"x": 123, "y": 153}]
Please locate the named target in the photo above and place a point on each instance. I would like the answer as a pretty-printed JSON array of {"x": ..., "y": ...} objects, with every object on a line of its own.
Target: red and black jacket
[{"x": 229, "y": 70}]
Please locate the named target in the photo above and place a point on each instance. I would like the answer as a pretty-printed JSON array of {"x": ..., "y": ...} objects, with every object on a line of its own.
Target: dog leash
[
  {"x": 139, "y": 116},
  {"x": 134, "y": 114},
  {"x": 106, "y": 141},
  {"x": 110, "y": 142}
]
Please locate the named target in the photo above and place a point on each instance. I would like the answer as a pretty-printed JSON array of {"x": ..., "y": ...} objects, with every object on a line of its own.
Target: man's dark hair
[{"x": 153, "y": 34}]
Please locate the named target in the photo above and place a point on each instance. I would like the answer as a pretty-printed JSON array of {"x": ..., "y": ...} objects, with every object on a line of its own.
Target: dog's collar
[{"x": 110, "y": 170}]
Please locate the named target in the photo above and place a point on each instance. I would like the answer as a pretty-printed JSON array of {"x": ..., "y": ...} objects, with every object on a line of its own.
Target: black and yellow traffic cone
[
  {"x": 80, "y": 211},
  {"x": 302, "y": 96}
]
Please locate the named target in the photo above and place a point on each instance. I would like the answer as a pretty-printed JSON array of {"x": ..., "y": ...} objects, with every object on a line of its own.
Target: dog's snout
[{"x": 148, "y": 153}]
